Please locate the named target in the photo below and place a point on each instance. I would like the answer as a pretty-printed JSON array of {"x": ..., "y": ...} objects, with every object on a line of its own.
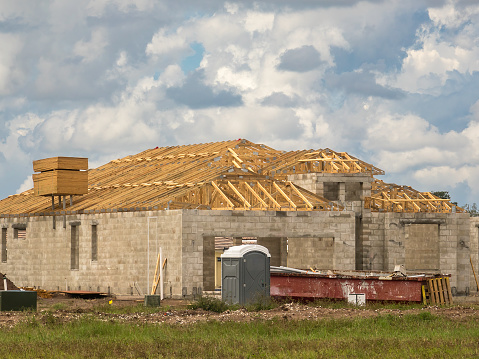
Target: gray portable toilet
[{"x": 245, "y": 274}]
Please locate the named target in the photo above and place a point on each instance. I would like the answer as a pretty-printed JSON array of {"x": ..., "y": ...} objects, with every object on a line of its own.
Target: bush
[
  {"x": 210, "y": 304},
  {"x": 261, "y": 303}
]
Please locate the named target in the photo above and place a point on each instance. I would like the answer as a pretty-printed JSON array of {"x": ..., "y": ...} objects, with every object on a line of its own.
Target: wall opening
[
  {"x": 94, "y": 243},
  {"x": 353, "y": 191},
  {"x": 4, "y": 245},
  {"x": 209, "y": 263},
  {"x": 311, "y": 252},
  {"x": 331, "y": 191},
  {"x": 75, "y": 248},
  {"x": 213, "y": 247},
  {"x": 19, "y": 233},
  {"x": 359, "y": 243},
  {"x": 422, "y": 247}
]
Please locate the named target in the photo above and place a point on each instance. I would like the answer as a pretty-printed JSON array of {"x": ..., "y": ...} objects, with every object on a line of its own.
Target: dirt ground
[{"x": 65, "y": 308}]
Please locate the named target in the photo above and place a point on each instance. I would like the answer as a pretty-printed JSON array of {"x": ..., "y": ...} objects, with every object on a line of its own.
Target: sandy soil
[{"x": 64, "y": 308}]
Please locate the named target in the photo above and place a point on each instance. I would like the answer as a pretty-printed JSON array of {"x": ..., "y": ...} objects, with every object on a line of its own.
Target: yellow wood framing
[
  {"x": 246, "y": 203},
  {"x": 222, "y": 194},
  {"x": 257, "y": 196},
  {"x": 300, "y": 194},
  {"x": 197, "y": 176},
  {"x": 394, "y": 198},
  {"x": 284, "y": 195},
  {"x": 275, "y": 204}
]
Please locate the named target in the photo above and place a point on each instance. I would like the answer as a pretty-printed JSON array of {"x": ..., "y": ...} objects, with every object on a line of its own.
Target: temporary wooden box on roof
[
  {"x": 60, "y": 183},
  {"x": 60, "y": 176},
  {"x": 60, "y": 163}
]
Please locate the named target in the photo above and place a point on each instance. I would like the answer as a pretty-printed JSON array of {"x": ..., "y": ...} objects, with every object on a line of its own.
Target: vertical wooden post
[
  {"x": 431, "y": 292},
  {"x": 448, "y": 284},
  {"x": 161, "y": 274},
  {"x": 53, "y": 209},
  {"x": 64, "y": 213}
]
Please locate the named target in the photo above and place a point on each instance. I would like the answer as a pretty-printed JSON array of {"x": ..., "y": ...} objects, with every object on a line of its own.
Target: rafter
[{"x": 390, "y": 197}]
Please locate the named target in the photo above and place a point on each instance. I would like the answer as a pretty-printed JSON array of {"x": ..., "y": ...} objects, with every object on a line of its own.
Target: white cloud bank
[{"x": 110, "y": 80}]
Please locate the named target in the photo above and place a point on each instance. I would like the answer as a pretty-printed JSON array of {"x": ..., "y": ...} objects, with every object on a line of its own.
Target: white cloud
[
  {"x": 258, "y": 21},
  {"x": 90, "y": 50},
  {"x": 93, "y": 78},
  {"x": 11, "y": 76},
  {"x": 165, "y": 43},
  {"x": 430, "y": 62},
  {"x": 26, "y": 185},
  {"x": 98, "y": 7}
]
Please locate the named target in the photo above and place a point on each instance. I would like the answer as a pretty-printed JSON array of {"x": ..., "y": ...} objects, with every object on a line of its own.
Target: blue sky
[{"x": 391, "y": 82}]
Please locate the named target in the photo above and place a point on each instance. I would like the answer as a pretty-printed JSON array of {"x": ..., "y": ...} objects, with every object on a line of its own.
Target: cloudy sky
[{"x": 393, "y": 82}]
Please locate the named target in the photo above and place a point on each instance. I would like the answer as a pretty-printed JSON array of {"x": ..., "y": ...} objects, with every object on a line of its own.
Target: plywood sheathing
[{"x": 390, "y": 197}]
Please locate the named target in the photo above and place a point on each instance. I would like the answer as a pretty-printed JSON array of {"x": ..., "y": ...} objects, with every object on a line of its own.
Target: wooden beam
[
  {"x": 284, "y": 195},
  {"x": 276, "y": 204},
  {"x": 230, "y": 204},
  {"x": 257, "y": 196},
  {"x": 305, "y": 200},
  {"x": 236, "y": 157},
  {"x": 246, "y": 203}
]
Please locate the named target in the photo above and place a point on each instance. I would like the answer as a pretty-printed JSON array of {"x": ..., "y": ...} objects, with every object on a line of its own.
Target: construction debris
[{"x": 10, "y": 285}]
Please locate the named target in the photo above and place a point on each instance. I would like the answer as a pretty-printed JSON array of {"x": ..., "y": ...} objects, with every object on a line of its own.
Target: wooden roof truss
[
  {"x": 388, "y": 197},
  {"x": 234, "y": 194},
  {"x": 323, "y": 161}
]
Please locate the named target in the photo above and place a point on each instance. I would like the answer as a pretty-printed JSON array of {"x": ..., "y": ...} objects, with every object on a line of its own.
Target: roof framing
[
  {"x": 236, "y": 174},
  {"x": 389, "y": 197}
]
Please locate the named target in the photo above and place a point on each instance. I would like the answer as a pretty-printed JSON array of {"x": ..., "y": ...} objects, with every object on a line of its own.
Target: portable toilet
[{"x": 245, "y": 274}]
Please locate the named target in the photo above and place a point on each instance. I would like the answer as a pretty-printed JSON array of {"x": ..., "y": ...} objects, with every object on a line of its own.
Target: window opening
[
  {"x": 94, "y": 243},
  {"x": 75, "y": 248},
  {"x": 4, "y": 245},
  {"x": 19, "y": 233}
]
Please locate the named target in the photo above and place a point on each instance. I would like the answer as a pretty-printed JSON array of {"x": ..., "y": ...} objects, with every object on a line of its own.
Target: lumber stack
[{"x": 60, "y": 176}]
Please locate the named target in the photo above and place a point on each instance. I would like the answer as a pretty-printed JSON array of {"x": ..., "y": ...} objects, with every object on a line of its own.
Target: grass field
[{"x": 422, "y": 335}]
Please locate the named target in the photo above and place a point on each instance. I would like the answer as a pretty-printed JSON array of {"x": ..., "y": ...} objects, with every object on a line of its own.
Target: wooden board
[
  {"x": 60, "y": 163},
  {"x": 60, "y": 182}
]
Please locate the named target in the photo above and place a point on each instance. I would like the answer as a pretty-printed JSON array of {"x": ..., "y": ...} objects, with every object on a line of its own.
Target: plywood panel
[
  {"x": 60, "y": 182},
  {"x": 60, "y": 163}
]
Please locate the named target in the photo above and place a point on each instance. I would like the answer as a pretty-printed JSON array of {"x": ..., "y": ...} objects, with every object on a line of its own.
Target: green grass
[
  {"x": 217, "y": 305},
  {"x": 386, "y": 336},
  {"x": 340, "y": 304}
]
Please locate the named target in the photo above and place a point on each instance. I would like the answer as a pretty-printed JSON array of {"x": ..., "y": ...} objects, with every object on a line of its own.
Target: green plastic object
[
  {"x": 152, "y": 300},
  {"x": 18, "y": 300}
]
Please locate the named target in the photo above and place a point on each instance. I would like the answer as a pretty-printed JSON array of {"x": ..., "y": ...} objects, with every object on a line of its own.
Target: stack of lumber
[
  {"x": 60, "y": 176},
  {"x": 42, "y": 293}
]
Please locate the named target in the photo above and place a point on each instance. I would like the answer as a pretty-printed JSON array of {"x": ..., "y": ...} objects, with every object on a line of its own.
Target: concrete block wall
[
  {"x": 200, "y": 225},
  {"x": 474, "y": 252},
  {"x": 348, "y": 189},
  {"x": 306, "y": 253},
  {"x": 372, "y": 242},
  {"x": 385, "y": 235},
  {"x": 43, "y": 258}
]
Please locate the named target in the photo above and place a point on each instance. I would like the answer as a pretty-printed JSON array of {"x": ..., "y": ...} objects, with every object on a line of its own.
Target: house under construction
[{"x": 102, "y": 229}]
